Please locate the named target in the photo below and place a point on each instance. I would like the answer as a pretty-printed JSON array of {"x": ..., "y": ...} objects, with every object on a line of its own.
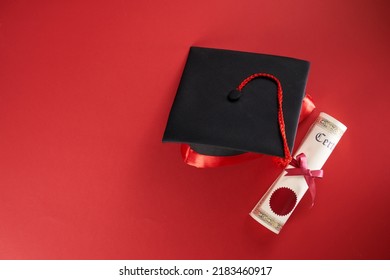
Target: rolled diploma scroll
[{"x": 277, "y": 205}]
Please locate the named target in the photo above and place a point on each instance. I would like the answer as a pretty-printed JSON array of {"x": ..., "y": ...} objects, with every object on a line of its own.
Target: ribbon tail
[{"x": 312, "y": 188}]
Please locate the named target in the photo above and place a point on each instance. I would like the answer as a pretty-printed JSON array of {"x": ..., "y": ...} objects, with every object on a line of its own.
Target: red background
[{"x": 85, "y": 92}]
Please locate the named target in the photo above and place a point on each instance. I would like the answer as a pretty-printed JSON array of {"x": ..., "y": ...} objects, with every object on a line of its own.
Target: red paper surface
[{"x": 85, "y": 92}]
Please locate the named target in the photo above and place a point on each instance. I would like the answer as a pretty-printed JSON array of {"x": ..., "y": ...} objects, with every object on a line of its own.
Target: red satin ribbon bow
[{"x": 300, "y": 164}]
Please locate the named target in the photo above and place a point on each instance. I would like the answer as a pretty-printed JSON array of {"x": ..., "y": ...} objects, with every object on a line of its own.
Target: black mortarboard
[{"x": 215, "y": 118}]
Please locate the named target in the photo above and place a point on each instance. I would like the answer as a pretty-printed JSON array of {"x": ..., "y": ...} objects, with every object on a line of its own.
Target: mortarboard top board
[{"x": 215, "y": 119}]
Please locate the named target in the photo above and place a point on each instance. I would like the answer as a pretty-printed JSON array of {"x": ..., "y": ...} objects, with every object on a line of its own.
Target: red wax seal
[{"x": 282, "y": 201}]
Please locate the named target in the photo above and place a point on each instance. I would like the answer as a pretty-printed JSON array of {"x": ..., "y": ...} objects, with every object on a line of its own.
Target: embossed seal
[{"x": 283, "y": 201}]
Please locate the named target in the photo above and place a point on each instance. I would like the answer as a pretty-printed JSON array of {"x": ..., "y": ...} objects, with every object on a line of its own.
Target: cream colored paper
[{"x": 318, "y": 144}]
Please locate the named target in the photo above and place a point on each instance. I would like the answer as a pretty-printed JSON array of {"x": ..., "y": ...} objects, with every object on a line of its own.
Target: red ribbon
[
  {"x": 193, "y": 158},
  {"x": 300, "y": 164},
  {"x": 307, "y": 107}
]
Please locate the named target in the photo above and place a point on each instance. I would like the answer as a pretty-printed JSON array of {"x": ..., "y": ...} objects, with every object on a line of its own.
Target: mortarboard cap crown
[{"x": 215, "y": 118}]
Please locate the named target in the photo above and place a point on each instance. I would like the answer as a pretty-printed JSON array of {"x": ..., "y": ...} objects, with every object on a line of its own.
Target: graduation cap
[{"x": 230, "y": 102}]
